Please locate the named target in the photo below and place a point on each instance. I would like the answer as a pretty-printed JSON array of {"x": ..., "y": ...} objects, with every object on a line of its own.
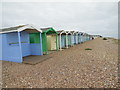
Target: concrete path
[{"x": 35, "y": 59}]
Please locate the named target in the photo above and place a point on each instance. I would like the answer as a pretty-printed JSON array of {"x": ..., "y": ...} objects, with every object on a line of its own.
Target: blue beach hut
[
  {"x": 80, "y": 35},
  {"x": 76, "y": 37},
  {"x": 62, "y": 39},
  {"x": 69, "y": 38},
  {"x": 16, "y": 43},
  {"x": 84, "y": 37}
]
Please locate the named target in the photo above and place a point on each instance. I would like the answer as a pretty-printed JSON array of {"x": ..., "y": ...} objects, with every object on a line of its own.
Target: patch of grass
[
  {"x": 117, "y": 41},
  {"x": 88, "y": 49},
  {"x": 104, "y": 38}
]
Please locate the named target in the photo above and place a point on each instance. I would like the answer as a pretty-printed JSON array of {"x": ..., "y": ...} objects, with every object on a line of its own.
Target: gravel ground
[{"x": 71, "y": 68}]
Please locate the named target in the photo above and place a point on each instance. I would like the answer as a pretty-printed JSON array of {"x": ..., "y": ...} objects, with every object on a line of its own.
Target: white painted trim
[
  {"x": 9, "y": 31},
  {"x": 28, "y": 26},
  {"x": 22, "y": 29},
  {"x": 61, "y": 39}
]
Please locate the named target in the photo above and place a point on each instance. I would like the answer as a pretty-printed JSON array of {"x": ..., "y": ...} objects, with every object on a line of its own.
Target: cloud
[{"x": 92, "y": 17}]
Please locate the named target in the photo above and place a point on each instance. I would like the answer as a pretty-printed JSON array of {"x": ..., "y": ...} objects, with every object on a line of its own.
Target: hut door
[{"x": 53, "y": 42}]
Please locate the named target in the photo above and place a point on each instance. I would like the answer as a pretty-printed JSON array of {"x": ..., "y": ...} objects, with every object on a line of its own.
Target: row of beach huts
[{"x": 25, "y": 40}]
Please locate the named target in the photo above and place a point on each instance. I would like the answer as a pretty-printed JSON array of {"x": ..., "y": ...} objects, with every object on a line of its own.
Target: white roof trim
[
  {"x": 22, "y": 29},
  {"x": 28, "y": 26},
  {"x": 63, "y": 32},
  {"x": 9, "y": 31},
  {"x": 69, "y": 32}
]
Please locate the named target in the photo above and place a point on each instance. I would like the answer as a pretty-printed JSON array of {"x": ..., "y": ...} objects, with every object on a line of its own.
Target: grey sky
[{"x": 91, "y": 17}]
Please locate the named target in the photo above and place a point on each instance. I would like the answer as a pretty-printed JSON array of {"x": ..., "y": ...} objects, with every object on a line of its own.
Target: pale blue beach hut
[{"x": 15, "y": 43}]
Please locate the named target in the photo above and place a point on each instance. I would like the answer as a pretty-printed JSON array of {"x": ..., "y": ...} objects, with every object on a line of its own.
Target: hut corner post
[
  {"x": 41, "y": 51},
  {"x": 19, "y": 40}
]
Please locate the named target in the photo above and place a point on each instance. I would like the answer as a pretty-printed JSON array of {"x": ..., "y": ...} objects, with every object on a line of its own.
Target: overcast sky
[{"x": 90, "y": 17}]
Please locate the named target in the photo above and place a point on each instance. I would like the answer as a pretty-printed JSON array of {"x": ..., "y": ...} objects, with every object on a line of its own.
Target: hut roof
[
  {"x": 48, "y": 30},
  {"x": 29, "y": 28},
  {"x": 61, "y": 31}
]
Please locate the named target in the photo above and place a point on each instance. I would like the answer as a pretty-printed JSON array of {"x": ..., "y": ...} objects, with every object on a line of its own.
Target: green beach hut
[{"x": 49, "y": 40}]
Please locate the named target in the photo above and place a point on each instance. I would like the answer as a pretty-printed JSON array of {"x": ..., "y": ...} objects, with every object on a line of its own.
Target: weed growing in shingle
[
  {"x": 88, "y": 49},
  {"x": 104, "y": 38}
]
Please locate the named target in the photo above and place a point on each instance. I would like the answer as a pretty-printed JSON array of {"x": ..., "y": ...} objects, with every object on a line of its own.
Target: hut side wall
[
  {"x": 36, "y": 49},
  {"x": 10, "y": 48},
  {"x": 73, "y": 41},
  {"x": 63, "y": 41},
  {"x": 69, "y": 40},
  {"x": 76, "y": 39},
  {"x": 25, "y": 44},
  {"x": 79, "y": 38},
  {"x": 35, "y": 44},
  {"x": 44, "y": 43}
]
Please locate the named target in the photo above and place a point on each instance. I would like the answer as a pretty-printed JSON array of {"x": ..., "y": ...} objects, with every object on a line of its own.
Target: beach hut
[
  {"x": 69, "y": 38},
  {"x": 83, "y": 37},
  {"x": 16, "y": 43},
  {"x": 86, "y": 37},
  {"x": 90, "y": 37},
  {"x": 72, "y": 37},
  {"x": 49, "y": 40},
  {"x": 80, "y": 35},
  {"x": 63, "y": 39},
  {"x": 75, "y": 33}
]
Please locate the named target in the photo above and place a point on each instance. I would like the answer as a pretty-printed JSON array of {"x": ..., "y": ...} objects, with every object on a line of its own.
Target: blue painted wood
[
  {"x": 0, "y": 46},
  {"x": 10, "y": 52},
  {"x": 15, "y": 46},
  {"x": 63, "y": 41},
  {"x": 35, "y": 49},
  {"x": 74, "y": 38},
  {"x": 25, "y": 45},
  {"x": 30, "y": 49},
  {"x": 79, "y": 38},
  {"x": 73, "y": 41}
]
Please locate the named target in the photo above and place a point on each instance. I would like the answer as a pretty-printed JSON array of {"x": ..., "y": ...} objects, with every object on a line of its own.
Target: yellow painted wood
[{"x": 51, "y": 41}]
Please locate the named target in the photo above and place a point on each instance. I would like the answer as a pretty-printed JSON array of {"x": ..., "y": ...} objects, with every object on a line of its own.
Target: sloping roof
[
  {"x": 19, "y": 28},
  {"x": 73, "y": 32},
  {"x": 45, "y": 29},
  {"x": 62, "y": 32},
  {"x": 49, "y": 29}
]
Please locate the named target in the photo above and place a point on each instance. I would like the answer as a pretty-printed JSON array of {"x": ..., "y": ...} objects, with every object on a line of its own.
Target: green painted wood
[
  {"x": 44, "y": 43},
  {"x": 34, "y": 37},
  {"x": 44, "y": 39}
]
